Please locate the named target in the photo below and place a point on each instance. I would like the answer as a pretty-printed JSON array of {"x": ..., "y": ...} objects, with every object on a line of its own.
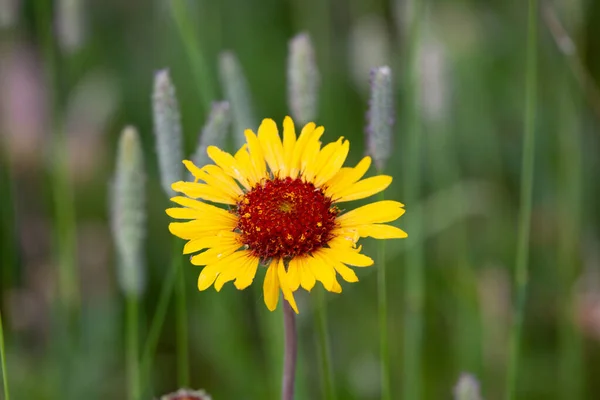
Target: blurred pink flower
[{"x": 23, "y": 108}]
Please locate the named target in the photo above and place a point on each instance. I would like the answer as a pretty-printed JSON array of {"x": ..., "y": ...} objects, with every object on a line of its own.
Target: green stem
[
  {"x": 323, "y": 342},
  {"x": 64, "y": 227},
  {"x": 8, "y": 243},
  {"x": 133, "y": 366},
  {"x": 183, "y": 364},
  {"x": 3, "y": 360},
  {"x": 570, "y": 178},
  {"x": 521, "y": 268},
  {"x": 185, "y": 26},
  {"x": 61, "y": 187},
  {"x": 384, "y": 356},
  {"x": 415, "y": 280},
  {"x": 158, "y": 321}
]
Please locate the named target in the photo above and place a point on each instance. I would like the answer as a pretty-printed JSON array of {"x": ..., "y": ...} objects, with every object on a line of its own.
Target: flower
[
  {"x": 284, "y": 212},
  {"x": 186, "y": 394}
]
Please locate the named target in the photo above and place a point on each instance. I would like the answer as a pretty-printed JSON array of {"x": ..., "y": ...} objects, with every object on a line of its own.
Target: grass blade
[
  {"x": 521, "y": 267},
  {"x": 414, "y": 280},
  {"x": 3, "y": 360}
]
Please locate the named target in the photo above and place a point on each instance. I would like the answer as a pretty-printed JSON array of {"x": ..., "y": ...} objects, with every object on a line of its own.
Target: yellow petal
[
  {"x": 189, "y": 213},
  {"x": 195, "y": 229},
  {"x": 293, "y": 274},
  {"x": 347, "y": 176},
  {"x": 305, "y": 135},
  {"x": 244, "y": 149},
  {"x": 271, "y": 287},
  {"x": 212, "y": 271},
  {"x": 365, "y": 188},
  {"x": 349, "y": 235},
  {"x": 254, "y": 175},
  {"x": 223, "y": 238},
  {"x": 336, "y": 288},
  {"x": 380, "y": 231},
  {"x": 268, "y": 136},
  {"x": 203, "y": 191},
  {"x": 246, "y": 277},
  {"x": 196, "y": 245},
  {"x": 346, "y": 273},
  {"x": 199, "y": 205},
  {"x": 194, "y": 170},
  {"x": 257, "y": 158},
  {"x": 328, "y": 168},
  {"x": 235, "y": 270},
  {"x": 311, "y": 151},
  {"x": 350, "y": 257},
  {"x": 229, "y": 165},
  {"x": 323, "y": 157},
  {"x": 184, "y": 213},
  {"x": 323, "y": 272},
  {"x": 216, "y": 177},
  {"x": 226, "y": 276},
  {"x": 377, "y": 212},
  {"x": 289, "y": 142},
  {"x": 215, "y": 254},
  {"x": 207, "y": 277},
  {"x": 285, "y": 288},
  {"x": 307, "y": 278}
]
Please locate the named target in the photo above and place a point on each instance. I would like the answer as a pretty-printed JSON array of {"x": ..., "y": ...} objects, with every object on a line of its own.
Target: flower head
[
  {"x": 283, "y": 211},
  {"x": 185, "y": 394}
]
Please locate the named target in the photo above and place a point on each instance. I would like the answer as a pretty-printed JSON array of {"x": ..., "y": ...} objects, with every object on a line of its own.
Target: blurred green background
[{"x": 73, "y": 73}]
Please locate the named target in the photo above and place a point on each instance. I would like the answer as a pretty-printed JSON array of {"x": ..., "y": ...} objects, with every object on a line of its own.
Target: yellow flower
[{"x": 283, "y": 212}]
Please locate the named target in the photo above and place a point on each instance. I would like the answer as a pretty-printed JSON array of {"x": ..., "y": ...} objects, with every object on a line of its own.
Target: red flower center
[{"x": 285, "y": 218}]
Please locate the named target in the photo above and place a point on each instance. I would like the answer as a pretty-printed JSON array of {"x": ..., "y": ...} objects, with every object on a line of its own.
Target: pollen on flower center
[{"x": 285, "y": 218}]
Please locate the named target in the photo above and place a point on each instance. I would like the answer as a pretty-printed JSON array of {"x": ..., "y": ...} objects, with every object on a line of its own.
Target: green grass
[
  {"x": 382, "y": 305},
  {"x": 322, "y": 330},
  {"x": 521, "y": 280},
  {"x": 3, "y": 361},
  {"x": 414, "y": 281},
  {"x": 183, "y": 362},
  {"x": 132, "y": 348}
]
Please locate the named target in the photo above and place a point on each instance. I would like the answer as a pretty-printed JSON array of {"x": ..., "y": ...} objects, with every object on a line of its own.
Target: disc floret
[{"x": 284, "y": 218}]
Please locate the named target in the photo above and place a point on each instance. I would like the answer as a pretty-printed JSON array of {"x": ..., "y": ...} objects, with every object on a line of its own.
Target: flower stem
[
  {"x": 384, "y": 356},
  {"x": 291, "y": 352},
  {"x": 323, "y": 341},
  {"x": 3, "y": 360},
  {"x": 521, "y": 268},
  {"x": 183, "y": 371},
  {"x": 133, "y": 367}
]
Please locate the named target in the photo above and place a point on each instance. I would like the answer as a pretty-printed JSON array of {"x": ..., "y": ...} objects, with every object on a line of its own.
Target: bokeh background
[{"x": 73, "y": 73}]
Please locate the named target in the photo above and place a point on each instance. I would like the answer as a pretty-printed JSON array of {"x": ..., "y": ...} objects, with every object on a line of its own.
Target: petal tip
[
  {"x": 172, "y": 228},
  {"x": 271, "y": 307}
]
